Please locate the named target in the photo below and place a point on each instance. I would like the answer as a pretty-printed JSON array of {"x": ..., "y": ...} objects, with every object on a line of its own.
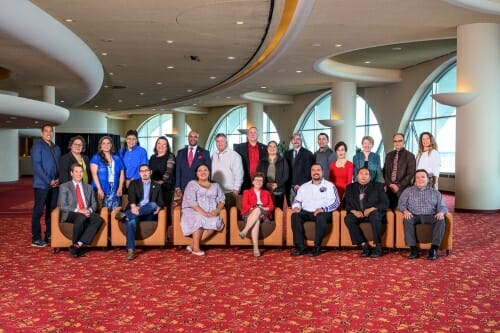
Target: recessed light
[
  {"x": 189, "y": 90},
  {"x": 106, "y": 86},
  {"x": 141, "y": 93},
  {"x": 96, "y": 106},
  {"x": 240, "y": 22},
  {"x": 170, "y": 41},
  {"x": 228, "y": 97},
  {"x": 231, "y": 58},
  {"x": 137, "y": 105},
  {"x": 111, "y": 73},
  {"x": 263, "y": 87},
  {"x": 170, "y": 67},
  {"x": 68, "y": 20},
  {"x": 107, "y": 40},
  {"x": 397, "y": 48},
  {"x": 316, "y": 45},
  {"x": 36, "y": 121},
  {"x": 61, "y": 101},
  {"x": 213, "y": 78},
  {"x": 298, "y": 71},
  {"x": 120, "y": 100},
  {"x": 163, "y": 98},
  {"x": 368, "y": 62},
  {"x": 194, "y": 104},
  {"x": 338, "y": 45},
  {"x": 159, "y": 83}
]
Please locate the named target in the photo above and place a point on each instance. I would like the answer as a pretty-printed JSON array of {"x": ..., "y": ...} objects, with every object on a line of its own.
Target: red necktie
[
  {"x": 190, "y": 156},
  {"x": 79, "y": 198}
]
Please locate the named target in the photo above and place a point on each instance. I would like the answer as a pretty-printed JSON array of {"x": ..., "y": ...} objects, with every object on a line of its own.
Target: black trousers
[
  {"x": 298, "y": 219},
  {"x": 376, "y": 220},
  {"x": 84, "y": 228}
]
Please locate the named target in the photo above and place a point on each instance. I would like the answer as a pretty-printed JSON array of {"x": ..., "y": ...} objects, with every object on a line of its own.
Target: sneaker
[
  {"x": 131, "y": 254},
  {"x": 120, "y": 216},
  {"x": 39, "y": 243}
]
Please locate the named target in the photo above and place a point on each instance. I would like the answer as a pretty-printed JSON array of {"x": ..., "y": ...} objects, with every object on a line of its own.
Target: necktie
[
  {"x": 294, "y": 154},
  {"x": 190, "y": 156},
  {"x": 79, "y": 197},
  {"x": 395, "y": 167}
]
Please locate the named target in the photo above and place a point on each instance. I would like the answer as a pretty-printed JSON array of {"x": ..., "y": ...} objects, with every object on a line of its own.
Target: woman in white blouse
[{"x": 428, "y": 157}]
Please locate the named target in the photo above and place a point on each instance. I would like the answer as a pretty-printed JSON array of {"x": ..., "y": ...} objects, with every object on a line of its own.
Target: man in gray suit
[{"x": 78, "y": 205}]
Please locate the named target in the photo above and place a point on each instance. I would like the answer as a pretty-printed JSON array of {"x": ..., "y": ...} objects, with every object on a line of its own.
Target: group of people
[{"x": 313, "y": 185}]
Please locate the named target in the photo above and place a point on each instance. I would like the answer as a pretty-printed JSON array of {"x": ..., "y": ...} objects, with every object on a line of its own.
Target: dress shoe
[
  {"x": 120, "y": 216},
  {"x": 198, "y": 253},
  {"x": 76, "y": 251},
  {"x": 131, "y": 254},
  {"x": 189, "y": 249},
  {"x": 298, "y": 252},
  {"x": 377, "y": 252},
  {"x": 315, "y": 252},
  {"x": 366, "y": 252},
  {"x": 432, "y": 254},
  {"x": 414, "y": 254}
]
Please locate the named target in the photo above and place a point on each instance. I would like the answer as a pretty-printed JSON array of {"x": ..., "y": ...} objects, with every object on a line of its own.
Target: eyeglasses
[
  {"x": 77, "y": 144},
  {"x": 396, "y": 141}
]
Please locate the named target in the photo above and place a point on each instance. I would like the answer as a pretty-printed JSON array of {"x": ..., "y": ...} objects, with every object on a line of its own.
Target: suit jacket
[
  {"x": 375, "y": 196},
  {"x": 249, "y": 200},
  {"x": 406, "y": 169},
  {"x": 45, "y": 164},
  {"x": 65, "y": 163},
  {"x": 242, "y": 149},
  {"x": 281, "y": 173},
  {"x": 67, "y": 198},
  {"x": 183, "y": 172},
  {"x": 136, "y": 193},
  {"x": 300, "y": 168}
]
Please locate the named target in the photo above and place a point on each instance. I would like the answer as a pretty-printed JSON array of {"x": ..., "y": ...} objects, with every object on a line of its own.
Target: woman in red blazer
[{"x": 256, "y": 207}]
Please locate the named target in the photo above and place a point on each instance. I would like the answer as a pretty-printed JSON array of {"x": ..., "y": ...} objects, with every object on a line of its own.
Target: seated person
[
  {"x": 77, "y": 203},
  {"x": 256, "y": 207},
  {"x": 315, "y": 201},
  {"x": 201, "y": 206},
  {"x": 422, "y": 203},
  {"x": 145, "y": 201},
  {"x": 366, "y": 201}
]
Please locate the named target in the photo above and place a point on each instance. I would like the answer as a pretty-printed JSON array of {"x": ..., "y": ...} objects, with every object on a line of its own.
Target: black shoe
[
  {"x": 298, "y": 252},
  {"x": 315, "y": 252},
  {"x": 432, "y": 254},
  {"x": 76, "y": 251},
  {"x": 414, "y": 254},
  {"x": 377, "y": 252},
  {"x": 39, "y": 243}
]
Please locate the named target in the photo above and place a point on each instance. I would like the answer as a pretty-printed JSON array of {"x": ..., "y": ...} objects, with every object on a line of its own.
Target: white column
[
  {"x": 477, "y": 177},
  {"x": 9, "y": 163},
  {"x": 179, "y": 129},
  {"x": 49, "y": 94},
  {"x": 255, "y": 112},
  {"x": 343, "y": 107}
]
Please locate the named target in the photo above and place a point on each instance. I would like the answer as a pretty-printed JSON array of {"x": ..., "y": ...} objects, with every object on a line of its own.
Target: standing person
[
  {"x": 256, "y": 207},
  {"x": 132, "y": 155},
  {"x": 227, "y": 170},
  {"x": 428, "y": 157},
  {"x": 78, "y": 206},
  {"x": 45, "y": 156},
  {"x": 108, "y": 176},
  {"x": 399, "y": 168},
  {"x": 324, "y": 155},
  {"x": 422, "y": 203},
  {"x": 188, "y": 159},
  {"x": 366, "y": 201},
  {"x": 251, "y": 153},
  {"x": 275, "y": 168},
  {"x": 145, "y": 201},
  {"x": 315, "y": 201},
  {"x": 162, "y": 165},
  {"x": 299, "y": 161},
  {"x": 342, "y": 170},
  {"x": 366, "y": 158},
  {"x": 201, "y": 206},
  {"x": 75, "y": 155}
]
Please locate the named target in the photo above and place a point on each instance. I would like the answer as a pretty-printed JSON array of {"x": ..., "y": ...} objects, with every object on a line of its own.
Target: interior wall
[{"x": 85, "y": 122}]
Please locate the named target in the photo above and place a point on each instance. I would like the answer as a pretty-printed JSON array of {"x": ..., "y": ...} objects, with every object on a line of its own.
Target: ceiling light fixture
[
  {"x": 298, "y": 71},
  {"x": 189, "y": 90},
  {"x": 104, "y": 54},
  {"x": 141, "y": 93},
  {"x": 338, "y": 45},
  {"x": 397, "y": 48},
  {"x": 367, "y": 62},
  {"x": 213, "y": 78},
  {"x": 68, "y": 20},
  {"x": 170, "y": 41},
  {"x": 263, "y": 87},
  {"x": 240, "y": 22},
  {"x": 170, "y": 67},
  {"x": 159, "y": 83},
  {"x": 231, "y": 58}
]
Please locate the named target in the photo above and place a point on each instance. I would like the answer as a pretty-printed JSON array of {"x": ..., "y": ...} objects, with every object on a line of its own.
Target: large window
[
  {"x": 366, "y": 124},
  {"x": 235, "y": 120},
  {"x": 154, "y": 127},
  {"x": 436, "y": 118}
]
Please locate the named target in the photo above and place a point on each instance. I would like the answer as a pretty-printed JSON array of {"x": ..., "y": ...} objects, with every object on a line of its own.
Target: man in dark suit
[
  {"x": 366, "y": 201},
  {"x": 145, "y": 201},
  {"x": 299, "y": 161},
  {"x": 78, "y": 205},
  {"x": 399, "y": 169},
  {"x": 251, "y": 153},
  {"x": 188, "y": 159}
]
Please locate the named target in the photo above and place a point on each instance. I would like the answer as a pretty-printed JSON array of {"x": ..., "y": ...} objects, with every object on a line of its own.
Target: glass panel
[
  {"x": 446, "y": 142},
  {"x": 445, "y": 110},
  {"x": 425, "y": 108},
  {"x": 360, "y": 111}
]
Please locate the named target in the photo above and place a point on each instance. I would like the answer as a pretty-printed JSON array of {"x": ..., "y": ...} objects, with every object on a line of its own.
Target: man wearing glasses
[{"x": 399, "y": 169}]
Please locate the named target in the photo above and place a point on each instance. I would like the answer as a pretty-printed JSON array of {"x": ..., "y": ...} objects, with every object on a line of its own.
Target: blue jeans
[
  {"x": 43, "y": 198},
  {"x": 145, "y": 213}
]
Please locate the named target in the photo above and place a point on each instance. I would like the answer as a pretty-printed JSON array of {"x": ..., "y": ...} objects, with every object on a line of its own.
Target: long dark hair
[{"x": 101, "y": 153}]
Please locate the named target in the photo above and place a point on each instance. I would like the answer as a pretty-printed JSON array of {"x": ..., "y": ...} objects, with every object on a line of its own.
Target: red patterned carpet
[{"x": 167, "y": 290}]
